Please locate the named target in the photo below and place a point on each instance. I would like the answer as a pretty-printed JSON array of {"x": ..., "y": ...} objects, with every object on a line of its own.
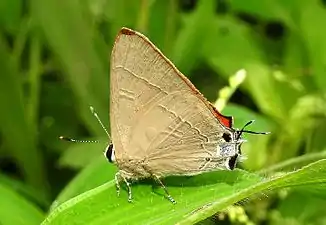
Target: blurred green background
[{"x": 54, "y": 63}]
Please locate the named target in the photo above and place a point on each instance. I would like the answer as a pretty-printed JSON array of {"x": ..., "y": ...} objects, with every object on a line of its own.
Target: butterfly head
[
  {"x": 231, "y": 148},
  {"x": 109, "y": 153}
]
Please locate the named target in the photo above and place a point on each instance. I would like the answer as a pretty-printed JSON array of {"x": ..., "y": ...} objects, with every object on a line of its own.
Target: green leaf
[
  {"x": 295, "y": 56},
  {"x": 190, "y": 39},
  {"x": 10, "y": 13},
  {"x": 261, "y": 82},
  {"x": 15, "y": 210},
  {"x": 293, "y": 163},
  {"x": 163, "y": 39},
  {"x": 264, "y": 89},
  {"x": 316, "y": 141},
  {"x": 198, "y": 197},
  {"x": 83, "y": 59},
  {"x": 223, "y": 55},
  {"x": 25, "y": 190},
  {"x": 267, "y": 9},
  {"x": 15, "y": 127},
  {"x": 220, "y": 51},
  {"x": 310, "y": 109},
  {"x": 123, "y": 13},
  {"x": 95, "y": 174},
  {"x": 311, "y": 13},
  {"x": 300, "y": 207}
]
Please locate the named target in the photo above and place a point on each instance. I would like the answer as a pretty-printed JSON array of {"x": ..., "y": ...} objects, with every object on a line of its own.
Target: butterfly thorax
[{"x": 131, "y": 168}]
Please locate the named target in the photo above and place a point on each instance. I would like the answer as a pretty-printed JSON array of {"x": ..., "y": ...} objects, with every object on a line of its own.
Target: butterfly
[{"x": 161, "y": 125}]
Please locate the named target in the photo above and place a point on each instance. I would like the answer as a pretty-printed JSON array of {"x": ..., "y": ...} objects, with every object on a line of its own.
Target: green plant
[{"x": 54, "y": 64}]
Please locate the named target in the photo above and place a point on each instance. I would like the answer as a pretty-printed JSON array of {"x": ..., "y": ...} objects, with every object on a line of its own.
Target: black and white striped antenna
[
  {"x": 100, "y": 121},
  {"x": 79, "y": 141},
  {"x": 88, "y": 141}
]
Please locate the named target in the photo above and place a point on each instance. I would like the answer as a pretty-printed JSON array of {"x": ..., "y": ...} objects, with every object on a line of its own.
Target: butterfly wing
[
  {"x": 157, "y": 115},
  {"x": 189, "y": 138}
]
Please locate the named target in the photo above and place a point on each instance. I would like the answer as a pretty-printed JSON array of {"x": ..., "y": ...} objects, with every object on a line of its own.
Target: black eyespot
[
  {"x": 108, "y": 153},
  {"x": 226, "y": 137},
  {"x": 233, "y": 161},
  {"x": 207, "y": 159}
]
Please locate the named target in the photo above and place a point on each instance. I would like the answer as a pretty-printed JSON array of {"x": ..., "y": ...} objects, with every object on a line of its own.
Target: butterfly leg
[
  {"x": 117, "y": 182},
  {"x": 129, "y": 188},
  {"x": 165, "y": 189}
]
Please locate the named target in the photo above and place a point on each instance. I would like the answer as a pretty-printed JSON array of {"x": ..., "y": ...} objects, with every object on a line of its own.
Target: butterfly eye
[{"x": 226, "y": 137}]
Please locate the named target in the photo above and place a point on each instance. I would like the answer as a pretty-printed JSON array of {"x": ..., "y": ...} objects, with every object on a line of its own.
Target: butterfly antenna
[
  {"x": 254, "y": 132},
  {"x": 249, "y": 131},
  {"x": 99, "y": 120},
  {"x": 79, "y": 141}
]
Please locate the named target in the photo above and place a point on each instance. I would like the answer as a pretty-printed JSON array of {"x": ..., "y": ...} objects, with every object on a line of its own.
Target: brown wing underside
[{"x": 155, "y": 112}]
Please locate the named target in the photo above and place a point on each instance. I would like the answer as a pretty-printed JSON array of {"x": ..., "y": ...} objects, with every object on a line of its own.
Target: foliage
[{"x": 54, "y": 64}]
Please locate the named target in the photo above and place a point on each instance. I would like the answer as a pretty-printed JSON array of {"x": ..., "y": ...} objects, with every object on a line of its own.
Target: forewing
[{"x": 146, "y": 93}]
